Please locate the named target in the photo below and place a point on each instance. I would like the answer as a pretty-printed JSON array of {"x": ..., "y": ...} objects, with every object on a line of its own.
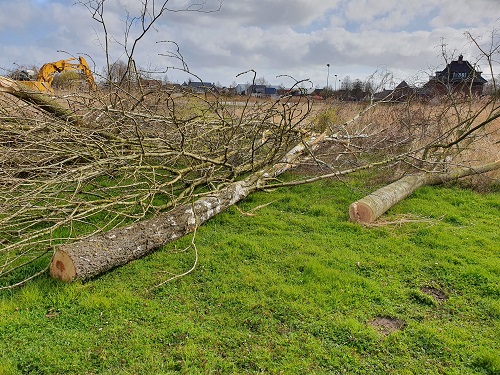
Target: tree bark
[
  {"x": 41, "y": 100},
  {"x": 371, "y": 207},
  {"x": 100, "y": 253},
  {"x": 97, "y": 254}
]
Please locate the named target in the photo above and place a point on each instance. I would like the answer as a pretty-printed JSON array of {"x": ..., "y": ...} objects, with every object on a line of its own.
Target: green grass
[{"x": 291, "y": 290}]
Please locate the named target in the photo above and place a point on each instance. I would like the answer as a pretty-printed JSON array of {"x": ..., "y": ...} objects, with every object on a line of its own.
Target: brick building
[{"x": 459, "y": 76}]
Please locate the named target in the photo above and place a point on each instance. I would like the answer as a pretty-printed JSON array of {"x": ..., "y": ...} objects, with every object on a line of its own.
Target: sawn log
[{"x": 371, "y": 207}]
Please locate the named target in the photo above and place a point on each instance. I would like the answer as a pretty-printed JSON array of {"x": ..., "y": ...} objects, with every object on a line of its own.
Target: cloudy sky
[{"x": 285, "y": 38}]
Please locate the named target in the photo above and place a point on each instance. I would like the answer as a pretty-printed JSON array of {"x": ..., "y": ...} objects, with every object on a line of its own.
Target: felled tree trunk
[
  {"x": 97, "y": 254},
  {"x": 371, "y": 207},
  {"x": 38, "y": 98},
  {"x": 100, "y": 253}
]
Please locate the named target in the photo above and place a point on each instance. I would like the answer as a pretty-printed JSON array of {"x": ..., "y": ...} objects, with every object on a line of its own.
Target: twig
[
  {"x": 251, "y": 212},
  {"x": 193, "y": 244},
  {"x": 403, "y": 219}
]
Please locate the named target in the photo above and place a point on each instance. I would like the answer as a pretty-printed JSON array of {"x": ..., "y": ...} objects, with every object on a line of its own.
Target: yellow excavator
[{"x": 45, "y": 76}]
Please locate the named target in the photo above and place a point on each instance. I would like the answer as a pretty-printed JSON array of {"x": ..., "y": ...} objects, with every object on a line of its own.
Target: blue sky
[{"x": 297, "y": 38}]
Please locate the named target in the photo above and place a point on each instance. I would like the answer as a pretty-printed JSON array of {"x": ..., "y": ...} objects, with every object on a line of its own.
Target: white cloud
[
  {"x": 268, "y": 13},
  {"x": 14, "y": 16},
  {"x": 464, "y": 13}
]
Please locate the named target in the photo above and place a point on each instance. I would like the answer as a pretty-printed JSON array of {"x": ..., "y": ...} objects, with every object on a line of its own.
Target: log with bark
[
  {"x": 371, "y": 207},
  {"x": 39, "y": 99},
  {"x": 97, "y": 254}
]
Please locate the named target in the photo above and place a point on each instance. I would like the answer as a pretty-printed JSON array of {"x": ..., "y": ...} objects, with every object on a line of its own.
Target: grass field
[{"x": 293, "y": 289}]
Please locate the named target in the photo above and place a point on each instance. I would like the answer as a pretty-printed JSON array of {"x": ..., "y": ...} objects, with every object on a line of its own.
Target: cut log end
[
  {"x": 360, "y": 212},
  {"x": 62, "y": 267}
]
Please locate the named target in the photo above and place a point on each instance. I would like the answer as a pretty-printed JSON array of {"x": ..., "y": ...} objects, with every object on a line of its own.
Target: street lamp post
[
  {"x": 335, "y": 82},
  {"x": 327, "y": 75}
]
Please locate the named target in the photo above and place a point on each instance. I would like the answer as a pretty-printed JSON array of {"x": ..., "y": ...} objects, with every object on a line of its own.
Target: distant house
[
  {"x": 199, "y": 87},
  {"x": 256, "y": 90},
  {"x": 401, "y": 93},
  {"x": 384, "y": 95},
  {"x": 458, "y": 77},
  {"x": 148, "y": 83},
  {"x": 317, "y": 93},
  {"x": 250, "y": 89},
  {"x": 241, "y": 88},
  {"x": 270, "y": 91}
]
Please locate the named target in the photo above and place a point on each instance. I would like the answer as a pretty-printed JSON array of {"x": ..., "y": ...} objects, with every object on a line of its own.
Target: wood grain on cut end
[
  {"x": 62, "y": 267},
  {"x": 360, "y": 212}
]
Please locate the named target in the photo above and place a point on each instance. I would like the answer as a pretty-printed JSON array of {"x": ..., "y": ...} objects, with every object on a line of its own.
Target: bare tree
[
  {"x": 137, "y": 24},
  {"x": 67, "y": 175}
]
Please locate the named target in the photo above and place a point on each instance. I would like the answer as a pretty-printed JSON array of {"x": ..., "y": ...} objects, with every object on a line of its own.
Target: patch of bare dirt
[
  {"x": 387, "y": 325},
  {"x": 437, "y": 294}
]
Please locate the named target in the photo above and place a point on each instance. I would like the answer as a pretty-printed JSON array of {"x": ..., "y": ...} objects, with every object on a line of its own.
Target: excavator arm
[{"x": 47, "y": 72}]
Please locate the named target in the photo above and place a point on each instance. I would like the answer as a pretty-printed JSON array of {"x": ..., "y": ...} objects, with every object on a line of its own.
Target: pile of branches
[
  {"x": 76, "y": 165},
  {"x": 122, "y": 157}
]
